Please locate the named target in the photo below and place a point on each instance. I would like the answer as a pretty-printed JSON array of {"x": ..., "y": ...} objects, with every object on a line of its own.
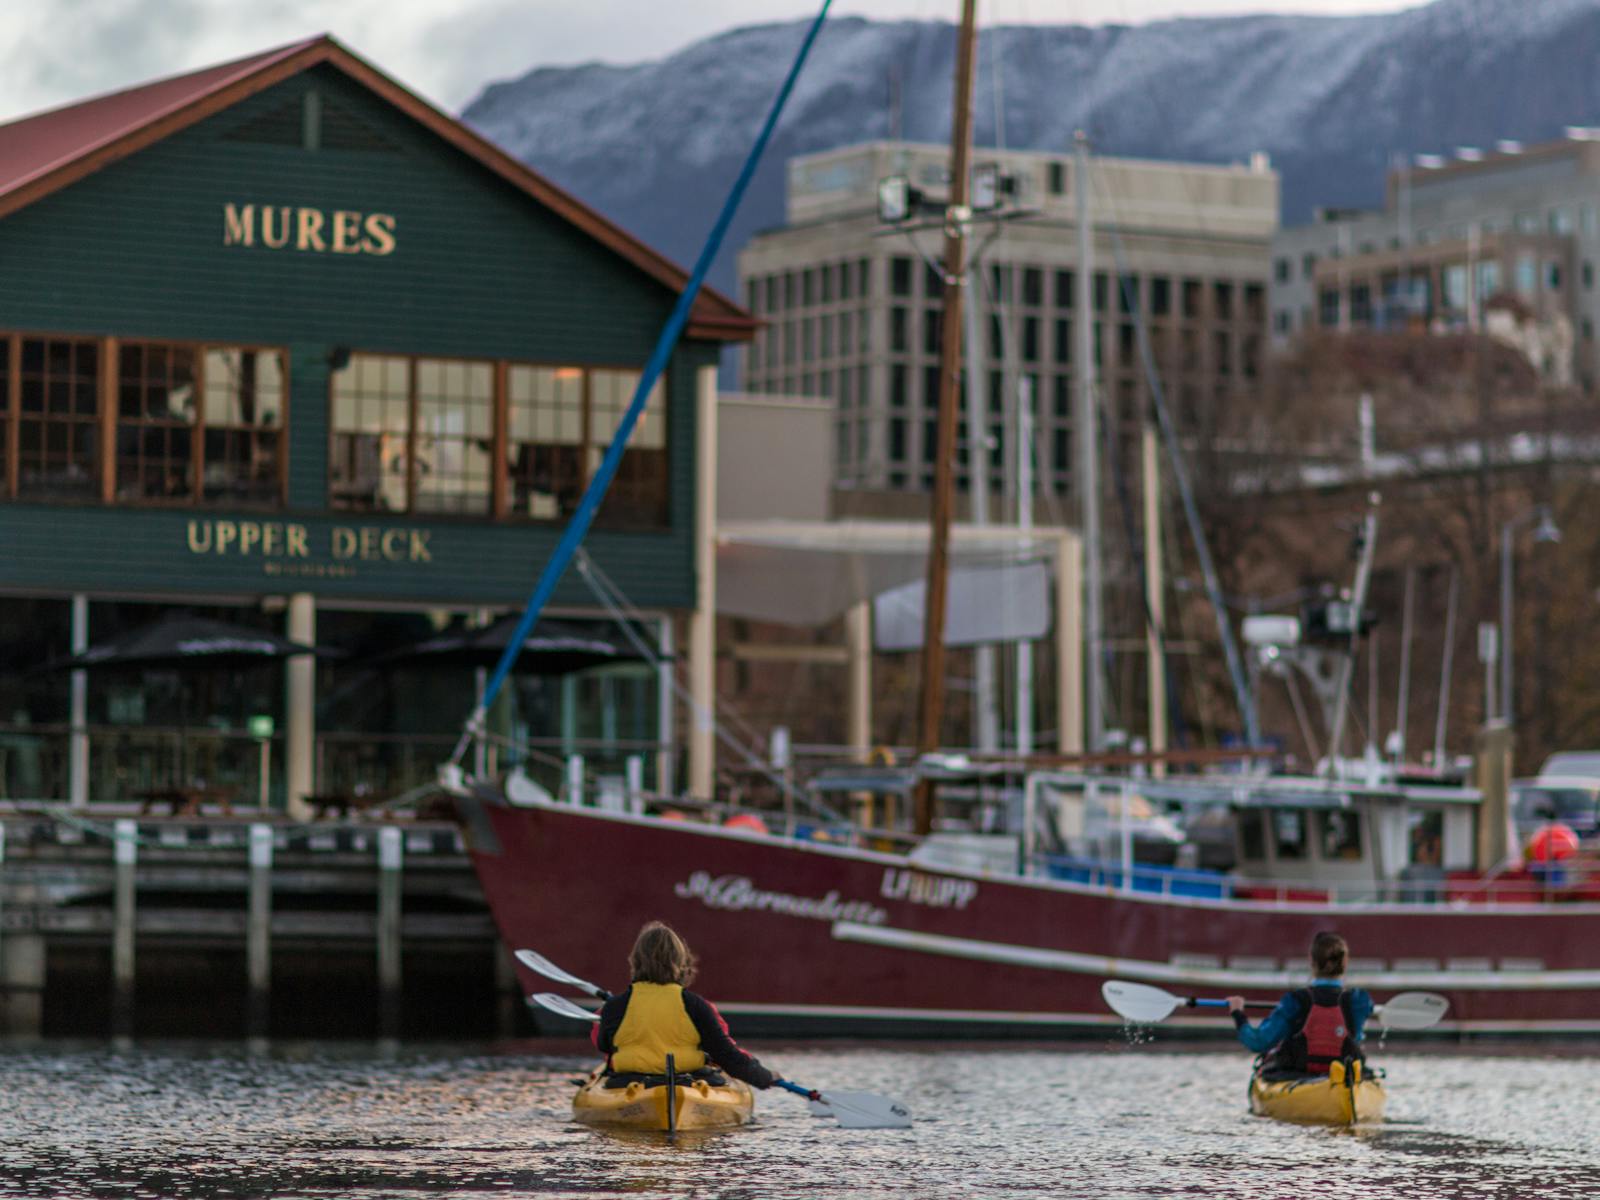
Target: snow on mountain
[{"x": 655, "y": 145}]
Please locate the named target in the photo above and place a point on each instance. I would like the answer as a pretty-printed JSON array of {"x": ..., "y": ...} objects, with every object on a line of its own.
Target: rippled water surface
[{"x": 365, "y": 1122}]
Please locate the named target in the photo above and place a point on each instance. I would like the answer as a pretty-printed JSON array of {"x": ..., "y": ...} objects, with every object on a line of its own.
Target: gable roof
[{"x": 43, "y": 153}]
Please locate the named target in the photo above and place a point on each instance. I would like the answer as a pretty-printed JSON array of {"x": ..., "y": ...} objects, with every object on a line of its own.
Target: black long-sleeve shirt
[{"x": 715, "y": 1040}]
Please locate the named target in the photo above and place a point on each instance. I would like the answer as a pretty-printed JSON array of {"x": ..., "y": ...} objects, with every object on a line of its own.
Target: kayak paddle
[
  {"x": 561, "y": 1006},
  {"x": 1145, "y": 1005},
  {"x": 541, "y": 965},
  {"x": 853, "y": 1110}
]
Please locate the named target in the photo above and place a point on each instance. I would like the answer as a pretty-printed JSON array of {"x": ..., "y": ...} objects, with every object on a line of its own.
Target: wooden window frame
[
  {"x": 500, "y": 422},
  {"x": 111, "y": 349}
]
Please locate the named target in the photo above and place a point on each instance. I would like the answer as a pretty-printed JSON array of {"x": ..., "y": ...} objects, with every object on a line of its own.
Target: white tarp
[
  {"x": 984, "y": 604},
  {"x": 808, "y": 573}
]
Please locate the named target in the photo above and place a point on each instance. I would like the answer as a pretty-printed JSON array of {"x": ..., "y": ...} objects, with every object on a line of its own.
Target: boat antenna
[
  {"x": 572, "y": 537},
  {"x": 956, "y": 221}
]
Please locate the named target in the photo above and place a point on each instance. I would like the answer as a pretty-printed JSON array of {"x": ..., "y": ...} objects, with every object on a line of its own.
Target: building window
[
  {"x": 1063, "y": 341},
  {"x": 788, "y": 290},
  {"x": 1065, "y": 284},
  {"x": 1063, "y": 397},
  {"x": 1281, "y": 321},
  {"x": 1030, "y": 339},
  {"x": 1328, "y": 308},
  {"x": 1056, "y": 178},
  {"x": 900, "y": 276},
  {"x": 56, "y": 393},
  {"x": 158, "y": 409},
  {"x": 1588, "y": 275},
  {"x": 930, "y": 388},
  {"x": 898, "y": 386},
  {"x": 899, "y": 338},
  {"x": 1280, "y": 270},
  {"x": 1128, "y": 294},
  {"x": 932, "y": 322},
  {"x": 1488, "y": 279},
  {"x": 1193, "y": 295},
  {"x": 1455, "y": 286},
  {"x": 864, "y": 279},
  {"x": 1527, "y": 275},
  {"x": 544, "y": 451},
  {"x": 1222, "y": 300},
  {"x": 1032, "y": 286},
  {"x": 1160, "y": 296},
  {"x": 1561, "y": 220},
  {"x": 897, "y": 439},
  {"x": 1552, "y": 276},
  {"x": 371, "y": 428},
  {"x": 808, "y": 287},
  {"x": 1101, "y": 287},
  {"x": 454, "y": 444},
  {"x": 1361, "y": 303},
  {"x": 638, "y": 493},
  {"x": 242, "y": 418},
  {"x": 1000, "y": 282},
  {"x": 842, "y": 270},
  {"x": 845, "y": 334},
  {"x": 1063, "y": 449},
  {"x": 825, "y": 281}
]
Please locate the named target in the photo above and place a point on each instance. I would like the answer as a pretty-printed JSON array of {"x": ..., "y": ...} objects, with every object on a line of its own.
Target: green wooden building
[{"x": 282, "y": 342}]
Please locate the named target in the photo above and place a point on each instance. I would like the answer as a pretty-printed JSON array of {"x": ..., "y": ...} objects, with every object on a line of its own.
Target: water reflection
[{"x": 402, "y": 1121}]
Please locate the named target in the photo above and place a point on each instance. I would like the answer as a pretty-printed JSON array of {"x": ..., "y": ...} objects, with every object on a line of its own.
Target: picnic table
[{"x": 186, "y": 800}]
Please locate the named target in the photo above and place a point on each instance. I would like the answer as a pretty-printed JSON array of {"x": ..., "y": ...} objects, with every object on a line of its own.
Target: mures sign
[{"x": 286, "y": 227}]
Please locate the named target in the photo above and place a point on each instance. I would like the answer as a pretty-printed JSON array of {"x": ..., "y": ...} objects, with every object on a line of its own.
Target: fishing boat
[
  {"x": 1356, "y": 1097},
  {"x": 703, "y": 1100},
  {"x": 973, "y": 935}
]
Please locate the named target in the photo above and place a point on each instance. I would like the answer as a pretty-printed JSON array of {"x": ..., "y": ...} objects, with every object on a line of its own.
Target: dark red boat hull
[{"x": 793, "y": 933}]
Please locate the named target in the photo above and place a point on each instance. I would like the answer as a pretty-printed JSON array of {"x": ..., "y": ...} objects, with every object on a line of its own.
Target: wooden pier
[{"x": 112, "y": 922}]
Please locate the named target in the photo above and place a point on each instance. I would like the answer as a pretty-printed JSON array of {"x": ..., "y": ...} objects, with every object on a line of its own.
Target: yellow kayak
[
  {"x": 642, "y": 1104},
  {"x": 1329, "y": 1099}
]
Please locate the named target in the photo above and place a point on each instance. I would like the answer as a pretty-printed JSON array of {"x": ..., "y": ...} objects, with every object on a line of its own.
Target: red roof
[{"x": 43, "y": 153}]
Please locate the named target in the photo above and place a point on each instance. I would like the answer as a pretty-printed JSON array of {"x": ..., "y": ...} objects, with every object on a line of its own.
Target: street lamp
[{"x": 1545, "y": 531}]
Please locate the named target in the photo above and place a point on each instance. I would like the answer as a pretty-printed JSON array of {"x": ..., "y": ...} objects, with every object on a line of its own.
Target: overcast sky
[{"x": 56, "y": 51}]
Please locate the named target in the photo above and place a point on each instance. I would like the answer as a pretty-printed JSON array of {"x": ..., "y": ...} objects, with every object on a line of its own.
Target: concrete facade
[{"x": 852, "y": 309}]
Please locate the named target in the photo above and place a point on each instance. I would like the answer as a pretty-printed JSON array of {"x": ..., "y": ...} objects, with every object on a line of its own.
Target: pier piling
[
  {"x": 391, "y": 855},
  {"x": 125, "y": 856},
  {"x": 258, "y": 931}
]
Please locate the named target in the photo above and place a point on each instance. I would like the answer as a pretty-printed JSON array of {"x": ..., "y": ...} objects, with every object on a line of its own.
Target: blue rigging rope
[{"x": 578, "y": 527}]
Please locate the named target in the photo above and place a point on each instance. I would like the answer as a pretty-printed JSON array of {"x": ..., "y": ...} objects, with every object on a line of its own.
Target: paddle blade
[
  {"x": 541, "y": 965},
  {"x": 867, "y": 1110},
  {"x": 1413, "y": 1010},
  {"x": 1138, "y": 1002},
  {"x": 561, "y": 1006}
]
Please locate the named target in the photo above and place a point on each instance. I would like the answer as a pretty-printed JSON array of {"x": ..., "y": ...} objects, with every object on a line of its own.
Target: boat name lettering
[
  {"x": 936, "y": 891},
  {"x": 737, "y": 893}
]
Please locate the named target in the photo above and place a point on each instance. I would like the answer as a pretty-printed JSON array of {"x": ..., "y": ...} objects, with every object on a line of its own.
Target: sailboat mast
[
  {"x": 957, "y": 218},
  {"x": 1085, "y": 428}
]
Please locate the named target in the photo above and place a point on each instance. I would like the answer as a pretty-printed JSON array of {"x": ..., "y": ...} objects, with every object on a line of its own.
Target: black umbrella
[
  {"x": 551, "y": 648},
  {"x": 184, "y": 641}
]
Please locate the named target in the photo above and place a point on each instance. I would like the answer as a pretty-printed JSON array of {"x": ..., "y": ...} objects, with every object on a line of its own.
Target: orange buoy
[
  {"x": 1552, "y": 842},
  {"x": 672, "y": 814},
  {"x": 746, "y": 821}
]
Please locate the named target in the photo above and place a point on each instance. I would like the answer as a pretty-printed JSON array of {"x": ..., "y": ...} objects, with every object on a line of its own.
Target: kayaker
[
  {"x": 1312, "y": 1026},
  {"x": 655, "y": 1016}
]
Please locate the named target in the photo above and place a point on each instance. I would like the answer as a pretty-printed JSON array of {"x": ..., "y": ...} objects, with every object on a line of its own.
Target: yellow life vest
[{"x": 656, "y": 1025}]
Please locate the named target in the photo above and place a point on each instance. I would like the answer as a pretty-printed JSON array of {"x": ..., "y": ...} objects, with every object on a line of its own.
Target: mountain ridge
[{"x": 654, "y": 145}]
